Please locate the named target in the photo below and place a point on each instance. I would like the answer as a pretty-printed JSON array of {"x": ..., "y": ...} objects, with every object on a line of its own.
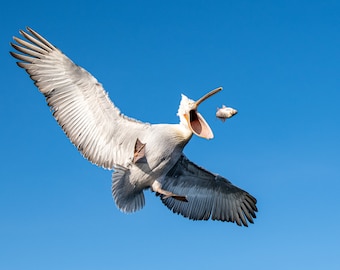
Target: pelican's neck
[
  {"x": 183, "y": 131},
  {"x": 183, "y": 122}
]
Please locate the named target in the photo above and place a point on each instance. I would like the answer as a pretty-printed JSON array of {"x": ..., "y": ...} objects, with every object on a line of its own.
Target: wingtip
[
  {"x": 12, "y": 53},
  {"x": 29, "y": 29}
]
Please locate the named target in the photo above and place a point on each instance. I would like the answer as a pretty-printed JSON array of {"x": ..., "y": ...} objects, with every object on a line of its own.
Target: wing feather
[
  {"x": 78, "y": 102},
  {"x": 209, "y": 195}
]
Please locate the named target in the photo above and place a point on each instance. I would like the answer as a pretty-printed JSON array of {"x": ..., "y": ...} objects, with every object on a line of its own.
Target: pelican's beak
[{"x": 196, "y": 121}]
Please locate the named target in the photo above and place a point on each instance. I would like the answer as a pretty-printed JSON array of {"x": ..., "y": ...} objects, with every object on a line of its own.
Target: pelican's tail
[{"x": 127, "y": 198}]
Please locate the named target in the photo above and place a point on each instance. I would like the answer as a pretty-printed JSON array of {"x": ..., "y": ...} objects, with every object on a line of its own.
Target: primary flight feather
[{"x": 142, "y": 155}]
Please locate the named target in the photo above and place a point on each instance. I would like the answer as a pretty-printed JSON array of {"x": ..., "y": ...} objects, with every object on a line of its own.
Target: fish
[{"x": 225, "y": 112}]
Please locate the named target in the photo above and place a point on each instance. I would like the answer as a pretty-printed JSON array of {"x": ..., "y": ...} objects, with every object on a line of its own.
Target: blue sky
[{"x": 279, "y": 64}]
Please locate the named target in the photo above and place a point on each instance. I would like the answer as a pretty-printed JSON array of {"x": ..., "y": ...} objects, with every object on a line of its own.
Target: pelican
[{"x": 141, "y": 155}]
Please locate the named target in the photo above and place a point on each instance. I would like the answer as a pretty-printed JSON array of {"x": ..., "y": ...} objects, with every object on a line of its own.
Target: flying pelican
[{"x": 142, "y": 155}]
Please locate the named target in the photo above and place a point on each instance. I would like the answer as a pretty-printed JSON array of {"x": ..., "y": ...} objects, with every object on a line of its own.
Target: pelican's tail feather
[{"x": 127, "y": 197}]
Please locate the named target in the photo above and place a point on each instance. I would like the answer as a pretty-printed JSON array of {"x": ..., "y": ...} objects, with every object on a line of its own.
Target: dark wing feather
[{"x": 209, "y": 195}]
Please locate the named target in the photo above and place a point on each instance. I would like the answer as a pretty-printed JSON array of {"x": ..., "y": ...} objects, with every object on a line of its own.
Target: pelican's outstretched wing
[
  {"x": 78, "y": 102},
  {"x": 208, "y": 195}
]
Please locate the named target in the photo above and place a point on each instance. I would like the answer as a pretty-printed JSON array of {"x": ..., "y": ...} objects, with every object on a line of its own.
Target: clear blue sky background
[{"x": 279, "y": 64}]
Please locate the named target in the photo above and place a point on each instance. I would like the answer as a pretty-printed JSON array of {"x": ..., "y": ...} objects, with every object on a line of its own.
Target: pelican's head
[{"x": 191, "y": 118}]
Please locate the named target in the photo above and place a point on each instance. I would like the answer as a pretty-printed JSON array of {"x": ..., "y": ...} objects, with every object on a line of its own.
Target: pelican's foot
[
  {"x": 156, "y": 186},
  {"x": 139, "y": 154},
  {"x": 176, "y": 197}
]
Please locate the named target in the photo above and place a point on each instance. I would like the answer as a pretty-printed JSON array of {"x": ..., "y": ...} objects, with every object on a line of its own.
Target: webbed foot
[
  {"x": 139, "y": 153},
  {"x": 156, "y": 186}
]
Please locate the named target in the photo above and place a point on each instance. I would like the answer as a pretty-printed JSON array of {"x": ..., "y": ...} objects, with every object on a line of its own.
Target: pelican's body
[
  {"x": 164, "y": 144},
  {"x": 142, "y": 155}
]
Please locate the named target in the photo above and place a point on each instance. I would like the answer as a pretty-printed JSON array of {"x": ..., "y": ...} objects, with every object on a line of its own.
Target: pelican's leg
[{"x": 156, "y": 187}]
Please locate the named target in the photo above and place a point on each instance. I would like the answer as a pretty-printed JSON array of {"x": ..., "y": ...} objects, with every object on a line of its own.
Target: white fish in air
[{"x": 225, "y": 112}]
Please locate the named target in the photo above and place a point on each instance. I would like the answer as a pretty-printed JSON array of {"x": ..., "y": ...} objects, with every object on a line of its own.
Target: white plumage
[{"x": 142, "y": 155}]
